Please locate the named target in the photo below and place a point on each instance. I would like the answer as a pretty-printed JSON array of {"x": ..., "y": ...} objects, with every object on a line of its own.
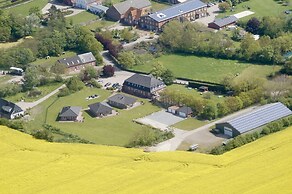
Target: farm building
[
  {"x": 184, "y": 111},
  {"x": 70, "y": 113},
  {"x": 10, "y": 110},
  {"x": 121, "y": 101},
  {"x": 78, "y": 62},
  {"x": 189, "y": 10},
  {"x": 97, "y": 8},
  {"x": 254, "y": 119},
  {"x": 220, "y": 23},
  {"x": 145, "y": 86},
  {"x": 129, "y": 11},
  {"x": 100, "y": 109}
]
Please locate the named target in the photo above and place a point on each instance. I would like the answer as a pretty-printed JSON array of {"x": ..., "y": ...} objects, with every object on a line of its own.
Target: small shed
[
  {"x": 172, "y": 109},
  {"x": 184, "y": 111}
]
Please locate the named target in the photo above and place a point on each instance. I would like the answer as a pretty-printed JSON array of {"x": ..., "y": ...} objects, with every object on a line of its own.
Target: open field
[
  {"x": 190, "y": 124},
  {"x": 24, "y": 9},
  {"x": 204, "y": 68},
  {"x": 52, "y": 60},
  {"x": 260, "y": 7},
  {"x": 44, "y": 89},
  {"x": 36, "y": 166},
  {"x": 100, "y": 24},
  {"x": 82, "y": 17},
  {"x": 114, "y": 130}
]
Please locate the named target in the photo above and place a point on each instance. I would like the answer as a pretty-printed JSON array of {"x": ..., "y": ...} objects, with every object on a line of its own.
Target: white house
[
  {"x": 97, "y": 8},
  {"x": 10, "y": 110},
  {"x": 84, "y": 4}
]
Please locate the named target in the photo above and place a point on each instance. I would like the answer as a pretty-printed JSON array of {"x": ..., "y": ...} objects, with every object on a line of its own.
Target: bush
[
  {"x": 64, "y": 92},
  {"x": 94, "y": 83},
  {"x": 43, "y": 134},
  {"x": 34, "y": 92}
]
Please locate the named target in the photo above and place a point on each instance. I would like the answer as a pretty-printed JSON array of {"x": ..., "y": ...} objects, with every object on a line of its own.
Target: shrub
[
  {"x": 64, "y": 92},
  {"x": 43, "y": 134},
  {"x": 34, "y": 92}
]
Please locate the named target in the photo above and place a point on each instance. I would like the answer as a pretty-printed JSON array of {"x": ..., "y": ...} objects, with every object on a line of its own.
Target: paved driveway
[
  {"x": 119, "y": 77},
  {"x": 161, "y": 119},
  {"x": 213, "y": 11}
]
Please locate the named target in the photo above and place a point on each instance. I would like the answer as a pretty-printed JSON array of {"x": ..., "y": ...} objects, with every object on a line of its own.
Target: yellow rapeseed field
[{"x": 33, "y": 166}]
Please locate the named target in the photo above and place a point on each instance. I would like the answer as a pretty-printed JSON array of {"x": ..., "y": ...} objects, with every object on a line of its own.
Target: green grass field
[
  {"x": 52, "y": 60},
  {"x": 4, "y": 79},
  {"x": 100, "y": 24},
  {"x": 24, "y": 9},
  {"x": 45, "y": 90},
  {"x": 114, "y": 130},
  {"x": 190, "y": 124},
  {"x": 205, "y": 68},
  {"x": 260, "y": 7},
  {"x": 156, "y": 6},
  {"x": 82, "y": 17}
]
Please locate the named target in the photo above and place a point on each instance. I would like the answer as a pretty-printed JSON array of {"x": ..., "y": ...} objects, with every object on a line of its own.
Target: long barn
[{"x": 253, "y": 120}]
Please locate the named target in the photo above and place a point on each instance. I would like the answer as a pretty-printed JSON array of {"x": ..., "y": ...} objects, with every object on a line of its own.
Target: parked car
[
  {"x": 288, "y": 12},
  {"x": 107, "y": 84}
]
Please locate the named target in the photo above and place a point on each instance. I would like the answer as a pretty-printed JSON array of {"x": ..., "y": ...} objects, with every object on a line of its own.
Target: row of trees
[{"x": 197, "y": 39}]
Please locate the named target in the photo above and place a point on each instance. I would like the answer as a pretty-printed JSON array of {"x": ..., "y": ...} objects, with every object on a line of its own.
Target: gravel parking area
[
  {"x": 119, "y": 77},
  {"x": 161, "y": 119},
  {"x": 243, "y": 14}
]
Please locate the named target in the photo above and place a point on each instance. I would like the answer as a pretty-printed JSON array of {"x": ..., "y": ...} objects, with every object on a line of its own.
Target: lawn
[
  {"x": 156, "y": 6},
  {"x": 24, "y": 95},
  {"x": 260, "y": 7},
  {"x": 198, "y": 68},
  {"x": 34, "y": 166},
  {"x": 52, "y": 60},
  {"x": 115, "y": 130},
  {"x": 24, "y": 9},
  {"x": 190, "y": 124},
  {"x": 8, "y": 45},
  {"x": 4, "y": 79},
  {"x": 82, "y": 18},
  {"x": 100, "y": 24},
  {"x": 189, "y": 91},
  {"x": 206, "y": 68}
]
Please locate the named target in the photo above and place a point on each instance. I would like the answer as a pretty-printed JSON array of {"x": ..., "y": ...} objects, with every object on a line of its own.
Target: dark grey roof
[
  {"x": 147, "y": 81},
  {"x": 123, "y": 7},
  {"x": 260, "y": 117},
  {"x": 177, "y": 10},
  {"x": 100, "y": 108},
  {"x": 78, "y": 59},
  {"x": 225, "y": 21},
  {"x": 70, "y": 111},
  {"x": 9, "y": 108},
  {"x": 122, "y": 99},
  {"x": 185, "y": 109}
]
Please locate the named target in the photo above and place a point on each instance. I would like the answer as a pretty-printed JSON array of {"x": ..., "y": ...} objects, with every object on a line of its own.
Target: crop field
[
  {"x": 35, "y": 166},
  {"x": 204, "y": 68},
  {"x": 113, "y": 130}
]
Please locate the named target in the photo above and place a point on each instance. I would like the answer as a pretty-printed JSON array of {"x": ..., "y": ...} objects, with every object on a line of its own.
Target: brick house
[
  {"x": 189, "y": 10},
  {"x": 78, "y": 62}
]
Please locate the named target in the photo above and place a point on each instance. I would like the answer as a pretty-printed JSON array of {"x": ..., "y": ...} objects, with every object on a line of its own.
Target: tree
[
  {"x": 209, "y": 111},
  {"x": 233, "y": 103},
  {"x": 74, "y": 84},
  {"x": 253, "y": 25},
  {"x": 88, "y": 73},
  {"x": 59, "y": 68},
  {"x": 224, "y": 6},
  {"x": 108, "y": 70},
  {"x": 157, "y": 70},
  {"x": 126, "y": 59},
  {"x": 222, "y": 109},
  {"x": 31, "y": 78},
  {"x": 167, "y": 77}
]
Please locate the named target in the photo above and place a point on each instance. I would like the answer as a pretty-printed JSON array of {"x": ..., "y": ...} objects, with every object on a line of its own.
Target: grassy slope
[
  {"x": 24, "y": 9},
  {"x": 260, "y": 7},
  {"x": 203, "y": 68},
  {"x": 116, "y": 130},
  {"x": 40, "y": 167}
]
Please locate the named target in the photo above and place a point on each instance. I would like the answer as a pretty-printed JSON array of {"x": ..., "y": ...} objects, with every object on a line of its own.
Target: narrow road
[
  {"x": 28, "y": 105},
  {"x": 173, "y": 144}
]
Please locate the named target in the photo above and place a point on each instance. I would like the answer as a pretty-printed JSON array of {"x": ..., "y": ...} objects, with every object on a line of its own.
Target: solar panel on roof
[{"x": 260, "y": 117}]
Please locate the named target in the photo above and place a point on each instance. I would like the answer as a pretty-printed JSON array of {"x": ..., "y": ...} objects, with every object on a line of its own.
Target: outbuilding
[
  {"x": 254, "y": 120},
  {"x": 184, "y": 111},
  {"x": 220, "y": 23},
  {"x": 172, "y": 109}
]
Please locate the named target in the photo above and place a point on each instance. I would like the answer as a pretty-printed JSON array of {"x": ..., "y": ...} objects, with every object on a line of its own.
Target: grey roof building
[
  {"x": 100, "y": 109},
  {"x": 255, "y": 119},
  {"x": 184, "y": 111},
  {"x": 121, "y": 101},
  {"x": 10, "y": 110},
  {"x": 223, "y": 22},
  {"x": 81, "y": 59},
  {"x": 142, "y": 85},
  {"x": 70, "y": 113},
  {"x": 177, "y": 10},
  {"x": 117, "y": 11}
]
